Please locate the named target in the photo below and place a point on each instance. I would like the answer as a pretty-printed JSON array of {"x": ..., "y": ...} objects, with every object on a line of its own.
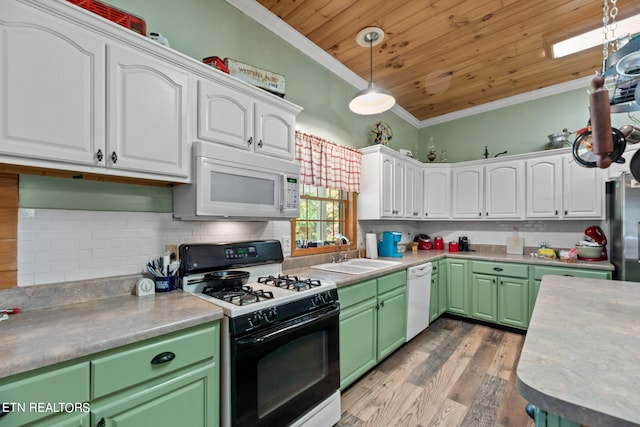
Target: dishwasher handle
[{"x": 419, "y": 270}]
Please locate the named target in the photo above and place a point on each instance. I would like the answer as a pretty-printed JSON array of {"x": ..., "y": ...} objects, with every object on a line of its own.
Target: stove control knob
[
  {"x": 317, "y": 300},
  {"x": 270, "y": 315},
  {"x": 328, "y": 297},
  {"x": 255, "y": 319}
]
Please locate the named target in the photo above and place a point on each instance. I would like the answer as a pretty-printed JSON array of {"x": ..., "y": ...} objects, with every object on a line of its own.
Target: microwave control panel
[{"x": 291, "y": 193}]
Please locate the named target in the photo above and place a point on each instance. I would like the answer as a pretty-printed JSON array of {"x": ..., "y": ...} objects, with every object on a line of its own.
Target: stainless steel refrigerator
[{"x": 623, "y": 216}]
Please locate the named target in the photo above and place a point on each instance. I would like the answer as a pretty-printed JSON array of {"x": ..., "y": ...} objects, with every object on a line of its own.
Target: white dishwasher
[{"x": 418, "y": 298}]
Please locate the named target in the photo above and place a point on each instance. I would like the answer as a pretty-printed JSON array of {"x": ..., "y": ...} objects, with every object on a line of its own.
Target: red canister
[
  {"x": 453, "y": 247},
  {"x": 438, "y": 244}
]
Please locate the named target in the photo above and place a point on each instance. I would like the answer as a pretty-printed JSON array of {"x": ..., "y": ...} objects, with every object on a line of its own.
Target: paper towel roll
[{"x": 371, "y": 245}]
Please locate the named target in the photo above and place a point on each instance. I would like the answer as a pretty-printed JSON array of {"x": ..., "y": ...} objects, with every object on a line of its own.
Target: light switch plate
[{"x": 286, "y": 245}]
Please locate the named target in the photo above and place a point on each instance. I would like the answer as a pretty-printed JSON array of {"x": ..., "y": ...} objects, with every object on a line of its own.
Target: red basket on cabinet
[{"x": 111, "y": 13}]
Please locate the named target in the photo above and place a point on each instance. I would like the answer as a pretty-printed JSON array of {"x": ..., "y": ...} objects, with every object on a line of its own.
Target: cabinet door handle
[
  {"x": 163, "y": 357},
  {"x": 556, "y": 211},
  {"x": 381, "y": 303},
  {"x": 566, "y": 212},
  {"x": 479, "y": 213},
  {"x": 426, "y": 214},
  {"x": 101, "y": 423},
  {"x": 114, "y": 157},
  {"x": 99, "y": 155},
  {"x": 260, "y": 144},
  {"x": 250, "y": 141},
  {"x": 498, "y": 268}
]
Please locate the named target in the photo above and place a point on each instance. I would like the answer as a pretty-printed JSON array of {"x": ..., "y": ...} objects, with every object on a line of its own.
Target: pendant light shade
[{"x": 371, "y": 100}]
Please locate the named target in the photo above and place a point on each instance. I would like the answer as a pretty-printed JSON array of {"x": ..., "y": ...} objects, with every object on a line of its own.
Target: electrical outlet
[
  {"x": 172, "y": 249},
  {"x": 286, "y": 243}
]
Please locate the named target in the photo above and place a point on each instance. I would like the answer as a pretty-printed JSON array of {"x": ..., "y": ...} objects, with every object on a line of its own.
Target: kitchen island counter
[
  {"x": 582, "y": 351},
  {"x": 43, "y": 337}
]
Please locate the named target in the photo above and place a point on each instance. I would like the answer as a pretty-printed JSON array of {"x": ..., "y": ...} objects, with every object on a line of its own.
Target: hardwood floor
[{"x": 454, "y": 373}]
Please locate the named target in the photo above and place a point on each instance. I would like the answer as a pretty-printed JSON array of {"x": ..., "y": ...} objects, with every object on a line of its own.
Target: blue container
[
  {"x": 166, "y": 284},
  {"x": 388, "y": 246}
]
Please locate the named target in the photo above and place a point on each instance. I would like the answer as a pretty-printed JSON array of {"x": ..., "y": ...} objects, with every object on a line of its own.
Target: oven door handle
[{"x": 259, "y": 339}]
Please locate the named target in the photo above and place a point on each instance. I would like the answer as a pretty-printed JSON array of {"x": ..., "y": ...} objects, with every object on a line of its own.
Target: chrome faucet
[{"x": 339, "y": 239}]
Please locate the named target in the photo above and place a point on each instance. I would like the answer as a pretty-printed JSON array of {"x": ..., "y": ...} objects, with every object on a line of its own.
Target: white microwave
[{"x": 235, "y": 184}]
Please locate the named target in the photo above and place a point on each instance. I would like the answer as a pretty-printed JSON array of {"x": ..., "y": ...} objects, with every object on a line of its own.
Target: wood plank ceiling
[{"x": 442, "y": 56}]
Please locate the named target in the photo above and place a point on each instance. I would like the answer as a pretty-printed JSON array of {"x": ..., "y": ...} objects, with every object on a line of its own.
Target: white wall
[{"x": 67, "y": 245}]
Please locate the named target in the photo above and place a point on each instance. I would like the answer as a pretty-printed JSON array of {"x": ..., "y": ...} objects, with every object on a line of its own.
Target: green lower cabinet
[
  {"x": 443, "y": 284},
  {"x": 373, "y": 323},
  {"x": 513, "y": 302},
  {"x": 433, "y": 298},
  {"x": 540, "y": 271},
  {"x": 547, "y": 419},
  {"x": 66, "y": 420},
  {"x": 358, "y": 335},
  {"x": 500, "y": 293},
  {"x": 392, "y": 321},
  {"x": 122, "y": 387},
  {"x": 181, "y": 401},
  {"x": 458, "y": 300},
  {"x": 26, "y": 392},
  {"x": 484, "y": 297}
]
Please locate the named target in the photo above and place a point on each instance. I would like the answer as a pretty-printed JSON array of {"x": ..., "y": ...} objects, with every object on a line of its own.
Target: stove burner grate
[
  {"x": 293, "y": 283},
  {"x": 241, "y": 295}
]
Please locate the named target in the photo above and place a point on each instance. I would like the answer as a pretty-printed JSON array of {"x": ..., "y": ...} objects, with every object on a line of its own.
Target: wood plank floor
[{"x": 454, "y": 373}]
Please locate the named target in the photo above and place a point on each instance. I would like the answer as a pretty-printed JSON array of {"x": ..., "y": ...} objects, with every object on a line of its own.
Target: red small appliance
[
  {"x": 438, "y": 244},
  {"x": 596, "y": 234}
]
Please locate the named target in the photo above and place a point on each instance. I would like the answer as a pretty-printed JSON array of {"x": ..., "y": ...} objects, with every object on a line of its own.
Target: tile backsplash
[
  {"x": 557, "y": 234},
  {"x": 68, "y": 245}
]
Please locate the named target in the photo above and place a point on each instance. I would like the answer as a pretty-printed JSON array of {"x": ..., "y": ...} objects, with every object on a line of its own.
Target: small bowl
[{"x": 589, "y": 251}]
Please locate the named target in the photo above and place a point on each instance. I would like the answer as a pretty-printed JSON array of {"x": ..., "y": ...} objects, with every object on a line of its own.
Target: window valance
[{"x": 327, "y": 164}]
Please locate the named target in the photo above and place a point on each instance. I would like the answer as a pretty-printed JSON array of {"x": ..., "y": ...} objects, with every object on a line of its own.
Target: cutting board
[{"x": 515, "y": 244}]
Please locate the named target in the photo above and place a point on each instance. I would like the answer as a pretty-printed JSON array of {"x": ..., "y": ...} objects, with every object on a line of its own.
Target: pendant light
[{"x": 371, "y": 100}]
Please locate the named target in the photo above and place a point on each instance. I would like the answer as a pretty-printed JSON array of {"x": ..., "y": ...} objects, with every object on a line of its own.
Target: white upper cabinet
[
  {"x": 583, "y": 190},
  {"x": 467, "y": 186},
  {"x": 504, "y": 190},
  {"x": 52, "y": 80},
  {"x": 147, "y": 114},
  {"x": 386, "y": 178},
  {"x": 233, "y": 118},
  {"x": 413, "y": 191},
  {"x": 436, "y": 193},
  {"x": 77, "y": 100},
  {"x": 544, "y": 187},
  {"x": 224, "y": 116}
]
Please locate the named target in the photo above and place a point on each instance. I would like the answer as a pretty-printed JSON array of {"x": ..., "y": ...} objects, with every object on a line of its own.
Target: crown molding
[{"x": 267, "y": 19}]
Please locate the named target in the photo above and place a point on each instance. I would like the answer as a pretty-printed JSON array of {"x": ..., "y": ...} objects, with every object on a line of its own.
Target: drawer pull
[
  {"x": 163, "y": 357},
  {"x": 498, "y": 268}
]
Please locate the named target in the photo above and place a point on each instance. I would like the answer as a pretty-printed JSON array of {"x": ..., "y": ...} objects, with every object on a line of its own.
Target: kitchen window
[{"x": 324, "y": 212}]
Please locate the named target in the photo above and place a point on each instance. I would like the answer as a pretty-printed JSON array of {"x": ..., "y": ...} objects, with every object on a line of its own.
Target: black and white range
[{"x": 280, "y": 342}]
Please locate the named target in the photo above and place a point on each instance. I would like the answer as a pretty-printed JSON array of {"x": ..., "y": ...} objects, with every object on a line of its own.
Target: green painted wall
[
  {"x": 520, "y": 128},
  {"x": 67, "y": 193}
]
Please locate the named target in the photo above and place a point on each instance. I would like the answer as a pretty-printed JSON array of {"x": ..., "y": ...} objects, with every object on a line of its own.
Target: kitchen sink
[{"x": 356, "y": 266}]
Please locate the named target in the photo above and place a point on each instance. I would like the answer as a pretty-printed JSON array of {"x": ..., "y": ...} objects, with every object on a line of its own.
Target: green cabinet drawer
[
  {"x": 392, "y": 281},
  {"x": 500, "y": 269},
  {"x": 134, "y": 364},
  {"x": 354, "y": 294},
  {"x": 538, "y": 272},
  {"x": 66, "y": 384}
]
